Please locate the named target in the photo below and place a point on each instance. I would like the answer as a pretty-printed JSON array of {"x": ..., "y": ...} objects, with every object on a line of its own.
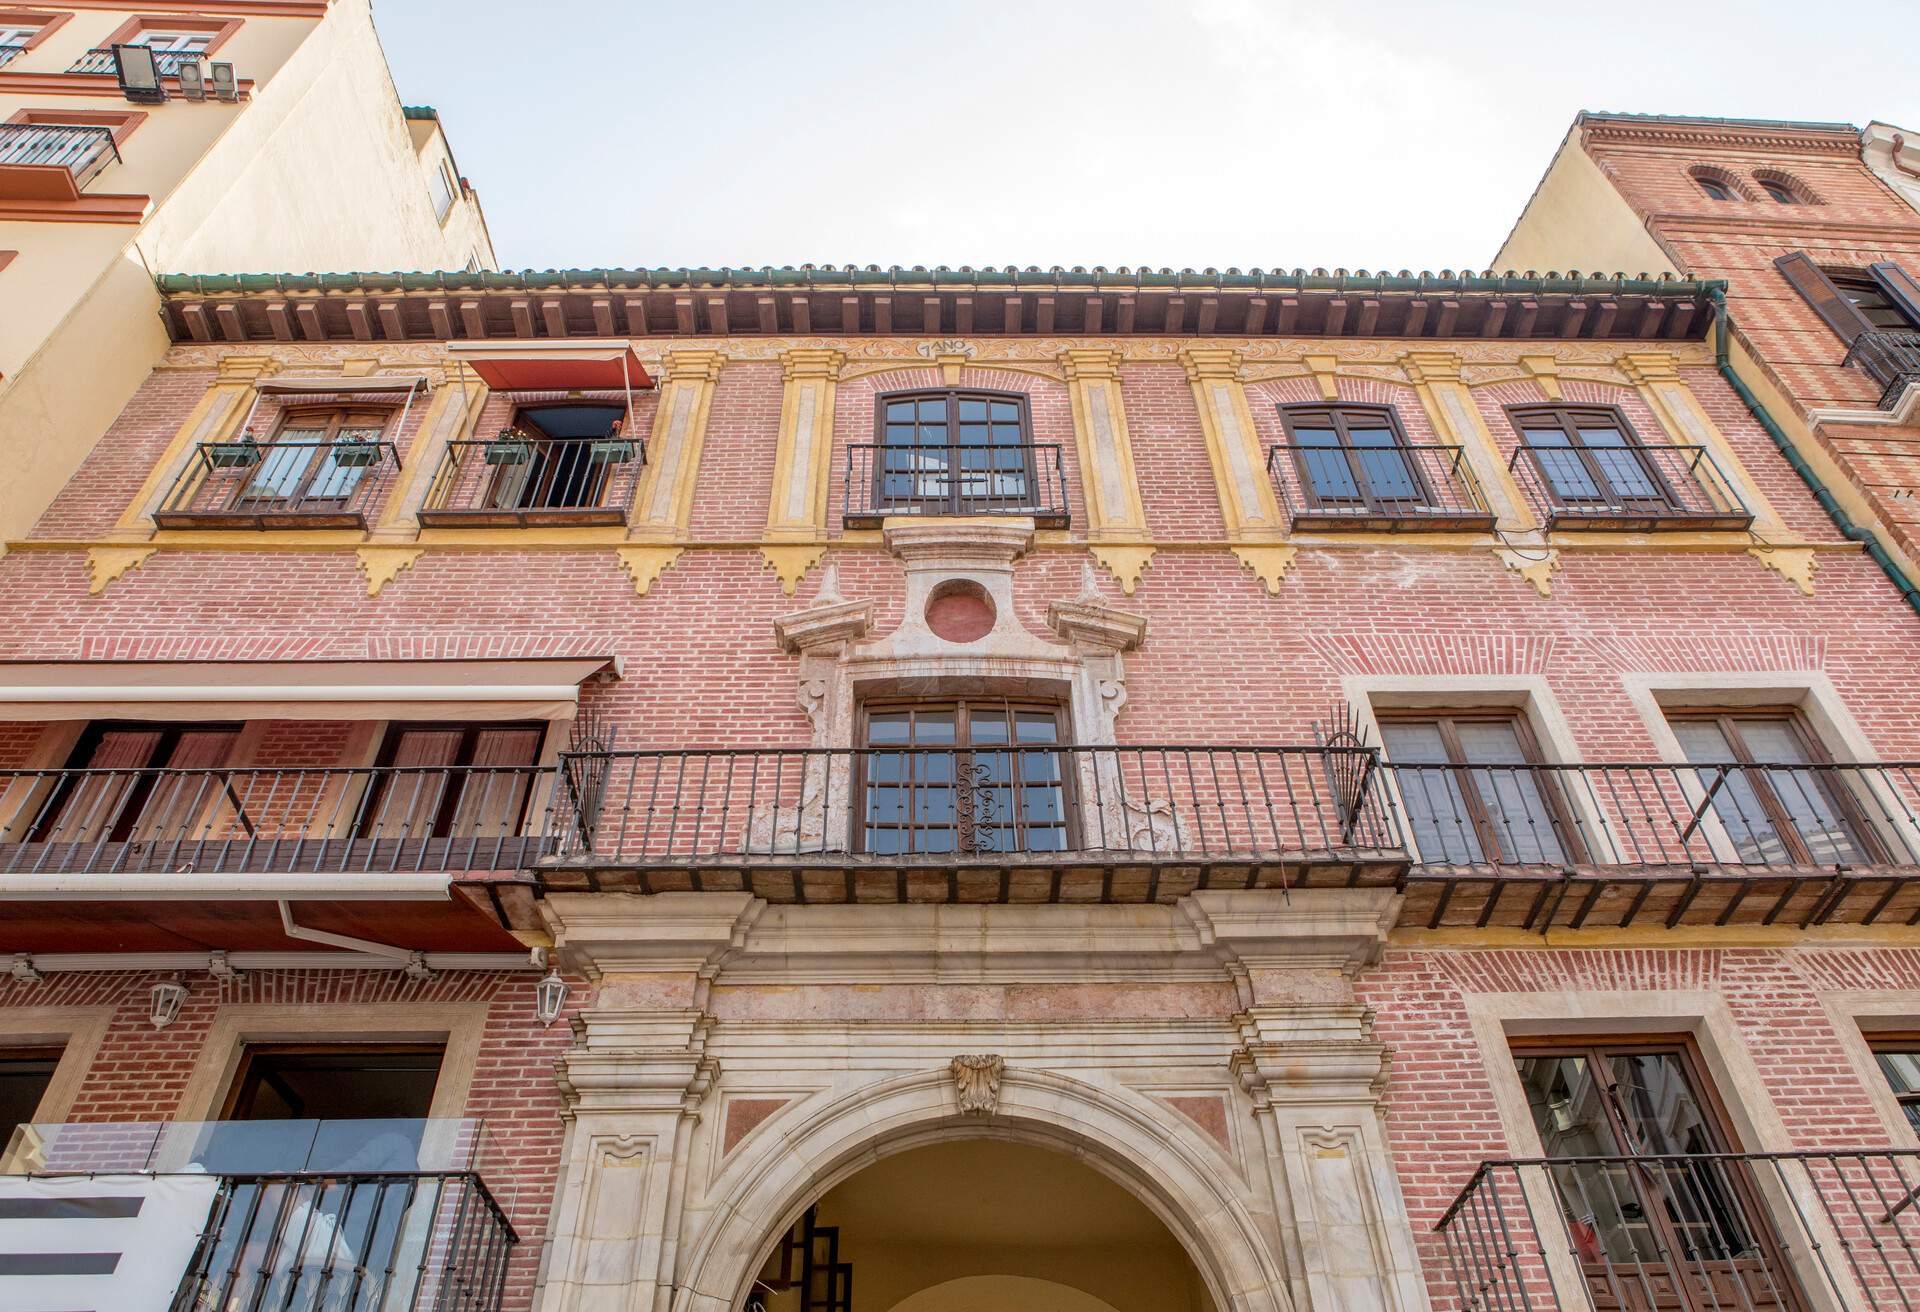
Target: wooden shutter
[
  {"x": 1827, "y": 300},
  {"x": 1900, "y": 288}
]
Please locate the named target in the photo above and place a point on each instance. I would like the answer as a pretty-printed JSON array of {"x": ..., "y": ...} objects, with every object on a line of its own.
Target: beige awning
[{"x": 541, "y": 688}]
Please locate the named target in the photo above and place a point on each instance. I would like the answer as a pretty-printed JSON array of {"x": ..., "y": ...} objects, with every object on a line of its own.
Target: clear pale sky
[{"x": 1389, "y": 134}]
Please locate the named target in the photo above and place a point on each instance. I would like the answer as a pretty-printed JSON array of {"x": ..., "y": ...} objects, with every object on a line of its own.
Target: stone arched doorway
[
  {"x": 1226, "y": 1233},
  {"x": 1014, "y": 1293}
]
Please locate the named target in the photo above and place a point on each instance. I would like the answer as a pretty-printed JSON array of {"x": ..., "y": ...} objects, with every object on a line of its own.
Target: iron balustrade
[
  {"x": 8, "y": 53},
  {"x": 167, "y": 62},
  {"x": 1707, "y": 1232},
  {"x": 1891, "y": 357},
  {"x": 518, "y": 479},
  {"x": 81, "y": 149},
  {"x": 1629, "y": 487},
  {"x": 1769, "y": 815},
  {"x": 1384, "y": 487},
  {"x": 956, "y": 479},
  {"x": 386, "y": 819},
  {"x": 283, "y": 484},
  {"x": 1138, "y": 804}
]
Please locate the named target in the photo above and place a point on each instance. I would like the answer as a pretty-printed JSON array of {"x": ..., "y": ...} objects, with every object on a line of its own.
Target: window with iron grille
[
  {"x": 1898, "y": 1057},
  {"x": 1773, "y": 799},
  {"x": 956, "y": 451},
  {"x": 1589, "y": 456},
  {"x": 1354, "y": 457},
  {"x": 965, "y": 776},
  {"x": 315, "y": 461},
  {"x": 1472, "y": 790}
]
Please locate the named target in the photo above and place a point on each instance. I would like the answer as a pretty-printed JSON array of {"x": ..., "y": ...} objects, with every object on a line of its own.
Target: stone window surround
[
  {"x": 80, "y": 1032},
  {"x": 460, "y": 1025},
  {"x": 1857, "y": 1016}
]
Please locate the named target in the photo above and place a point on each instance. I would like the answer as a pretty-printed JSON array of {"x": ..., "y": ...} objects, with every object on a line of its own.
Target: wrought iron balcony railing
[
  {"x": 385, "y": 819},
  {"x": 1386, "y": 487},
  {"x": 1000, "y": 807},
  {"x": 100, "y": 60},
  {"x": 77, "y": 151},
  {"x": 1628, "y": 487},
  {"x": 1891, "y": 357},
  {"x": 1814, "y": 817},
  {"x": 1757, "y": 1232},
  {"x": 280, "y": 485},
  {"x": 515, "y": 479},
  {"x": 307, "y": 1216},
  {"x": 9, "y": 53},
  {"x": 971, "y": 479}
]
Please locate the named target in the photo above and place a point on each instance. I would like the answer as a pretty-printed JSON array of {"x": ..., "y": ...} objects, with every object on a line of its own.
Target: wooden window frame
[
  {"x": 1847, "y": 807},
  {"x": 133, "y": 806},
  {"x": 52, "y": 1054},
  {"x": 1798, "y": 192},
  {"x": 1817, "y": 288},
  {"x": 1906, "y": 1041},
  {"x": 250, "y": 1052},
  {"x": 602, "y": 476},
  {"x": 1755, "y": 1215},
  {"x": 1525, "y": 418},
  {"x": 1340, "y": 417},
  {"x": 1486, "y": 833},
  {"x": 962, "y": 749},
  {"x": 337, "y": 418},
  {"x": 449, "y": 807},
  {"x": 1705, "y": 175},
  {"x": 955, "y": 501}
]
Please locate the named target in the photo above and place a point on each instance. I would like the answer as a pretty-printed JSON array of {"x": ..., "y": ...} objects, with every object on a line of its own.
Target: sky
[{"x": 1246, "y": 133}]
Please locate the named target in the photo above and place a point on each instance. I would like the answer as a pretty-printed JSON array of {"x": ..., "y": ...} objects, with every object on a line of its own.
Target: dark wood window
[
  {"x": 135, "y": 782},
  {"x": 954, "y": 452},
  {"x": 1882, "y": 297},
  {"x": 452, "y": 780},
  {"x": 1899, "y": 1058},
  {"x": 564, "y": 462},
  {"x": 1473, "y": 790},
  {"x": 1779, "y": 191},
  {"x": 1660, "y": 1226},
  {"x": 1590, "y": 457},
  {"x": 1715, "y": 189},
  {"x": 1354, "y": 456},
  {"x": 1872, "y": 298},
  {"x": 25, "y": 1074},
  {"x": 315, "y": 461},
  {"x": 949, "y": 776},
  {"x": 1794, "y": 813},
  {"x": 350, "y": 1108}
]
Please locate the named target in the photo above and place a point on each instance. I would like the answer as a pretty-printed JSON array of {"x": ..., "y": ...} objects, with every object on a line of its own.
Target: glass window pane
[
  {"x": 972, "y": 409},
  {"x": 1602, "y": 435},
  {"x": 1038, "y": 727},
  {"x": 1389, "y": 476},
  {"x": 933, "y": 410},
  {"x": 1902, "y": 1069},
  {"x": 1443, "y": 830},
  {"x": 1315, "y": 437},
  {"x": 900, "y": 412},
  {"x": 885, "y": 727},
  {"x": 1329, "y": 475},
  {"x": 933, "y": 728},
  {"x": 1006, "y": 412}
]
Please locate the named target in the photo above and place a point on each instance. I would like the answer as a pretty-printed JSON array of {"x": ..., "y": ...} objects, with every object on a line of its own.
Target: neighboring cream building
[{"x": 312, "y": 164}]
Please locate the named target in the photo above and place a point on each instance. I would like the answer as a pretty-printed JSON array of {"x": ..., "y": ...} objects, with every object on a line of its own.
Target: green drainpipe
[{"x": 1723, "y": 324}]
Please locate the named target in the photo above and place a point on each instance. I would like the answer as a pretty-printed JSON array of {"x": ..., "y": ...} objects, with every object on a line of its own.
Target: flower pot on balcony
[
  {"x": 610, "y": 451},
  {"x": 355, "y": 455},
  {"x": 509, "y": 449},
  {"x": 243, "y": 454}
]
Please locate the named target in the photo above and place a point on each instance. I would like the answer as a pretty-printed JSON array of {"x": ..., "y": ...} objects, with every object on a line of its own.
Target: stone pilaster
[
  {"x": 663, "y": 510},
  {"x": 1248, "y": 506},
  {"x": 1116, "y": 516},
  {"x": 797, "y": 510}
]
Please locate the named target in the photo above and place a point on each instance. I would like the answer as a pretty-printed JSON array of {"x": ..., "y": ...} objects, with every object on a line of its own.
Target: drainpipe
[{"x": 1722, "y": 325}]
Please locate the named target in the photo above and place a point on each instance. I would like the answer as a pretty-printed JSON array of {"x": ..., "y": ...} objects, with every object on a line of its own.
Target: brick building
[{"x": 866, "y": 789}]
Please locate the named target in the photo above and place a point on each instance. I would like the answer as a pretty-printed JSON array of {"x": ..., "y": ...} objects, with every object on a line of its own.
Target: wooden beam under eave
[
  {"x": 636, "y": 310},
  {"x": 1091, "y": 317},
  {"x": 473, "y": 322},
  {"x": 280, "y": 321},
  {"x": 1207, "y": 315},
  {"x": 1448, "y": 317},
  {"x": 1524, "y": 319},
  {"x": 849, "y": 314},
  {"x": 194, "y": 315},
  {"x": 360, "y": 320},
  {"x": 231, "y": 326},
  {"x": 1650, "y": 316},
  {"x": 883, "y": 315},
  {"x": 1176, "y": 320},
  {"x": 1123, "y": 312},
  {"x": 801, "y": 309},
  {"x": 963, "y": 315},
  {"x": 683, "y": 315},
  {"x": 1336, "y": 316},
  {"x": 1013, "y": 312},
  {"x": 1575, "y": 316},
  {"x": 1043, "y": 315},
  {"x": 522, "y": 312},
  {"x": 768, "y": 312},
  {"x": 717, "y": 315},
  {"x": 1256, "y": 315},
  {"x": 390, "y": 326},
  {"x": 1289, "y": 316},
  {"x": 307, "y": 315},
  {"x": 1680, "y": 319},
  {"x": 1496, "y": 316},
  {"x": 1416, "y": 317},
  {"x": 1368, "y": 319},
  {"x": 602, "y": 316},
  {"x": 930, "y": 315},
  {"x": 1604, "y": 316},
  {"x": 554, "y": 315},
  {"x": 440, "y": 319}
]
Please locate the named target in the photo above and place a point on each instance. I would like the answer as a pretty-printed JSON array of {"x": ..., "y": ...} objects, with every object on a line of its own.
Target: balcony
[
  {"x": 1024, "y": 824},
  {"x": 1603, "y": 845},
  {"x": 1761, "y": 1232},
  {"x": 52, "y": 161},
  {"x": 972, "y": 479},
  {"x": 385, "y": 819},
  {"x": 286, "y": 485},
  {"x": 517, "y": 479},
  {"x": 1631, "y": 487},
  {"x": 300, "y": 1216},
  {"x": 1891, "y": 357},
  {"x": 9, "y": 53},
  {"x": 1380, "y": 488},
  {"x": 100, "y": 60}
]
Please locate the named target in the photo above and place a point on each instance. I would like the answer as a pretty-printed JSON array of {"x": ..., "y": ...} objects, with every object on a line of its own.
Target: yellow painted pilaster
[
  {"x": 663, "y": 510},
  {"x": 216, "y": 418},
  {"x": 1655, "y": 374},
  {"x": 450, "y": 415},
  {"x": 1248, "y": 505},
  {"x": 1116, "y": 518},
  {"x": 803, "y": 460}
]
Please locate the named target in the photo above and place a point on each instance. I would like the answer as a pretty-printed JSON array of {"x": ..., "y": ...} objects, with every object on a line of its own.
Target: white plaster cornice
[{"x": 960, "y": 544}]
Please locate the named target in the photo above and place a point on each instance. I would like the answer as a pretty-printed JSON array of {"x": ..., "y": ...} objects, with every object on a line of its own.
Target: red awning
[{"x": 554, "y": 366}]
